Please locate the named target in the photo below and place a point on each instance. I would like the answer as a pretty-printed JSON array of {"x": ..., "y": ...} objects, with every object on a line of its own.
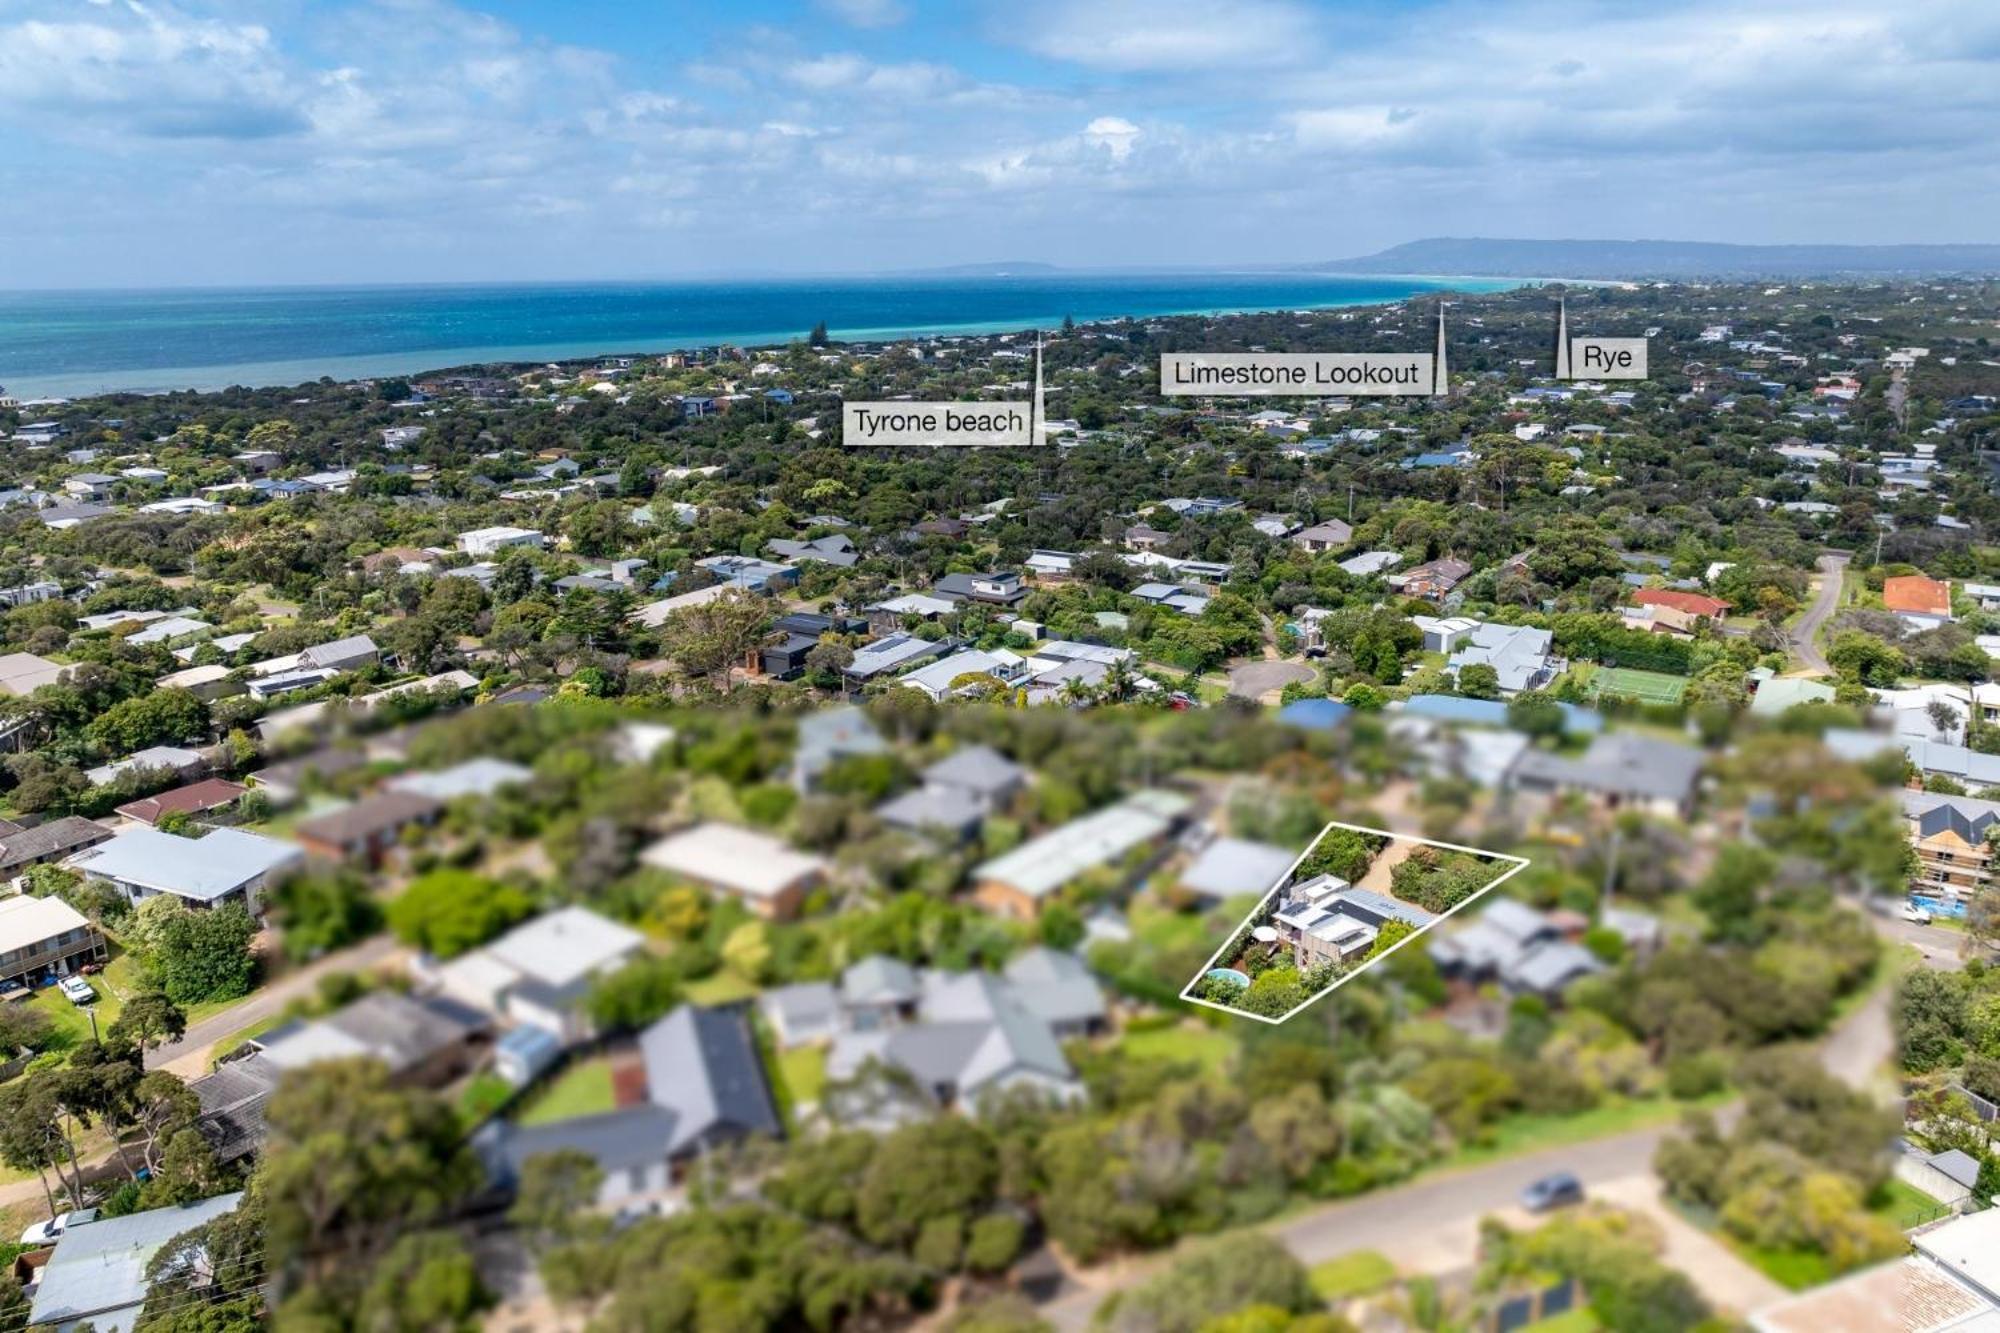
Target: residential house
[
  {"x": 1922, "y": 602},
  {"x": 481, "y": 543},
  {"x": 370, "y": 829},
  {"x": 540, "y": 972},
  {"x": 1433, "y": 581},
  {"x": 423, "y": 1041},
  {"x": 44, "y": 938},
  {"x": 1520, "y": 656},
  {"x": 99, "y": 1274},
  {"x": 197, "y": 798},
  {"x": 481, "y": 778},
  {"x": 1017, "y": 883},
  {"x": 1326, "y": 920},
  {"x": 224, "y": 865},
  {"x": 21, "y": 674},
  {"x": 891, "y": 654},
  {"x": 1620, "y": 770},
  {"x": 1331, "y": 535},
  {"x": 826, "y": 737},
  {"x": 1688, "y": 603},
  {"x": 748, "y": 572},
  {"x": 1446, "y": 634},
  {"x": 1370, "y": 563},
  {"x": 52, "y": 840},
  {"x": 972, "y": 1035},
  {"x": 704, "y": 1089},
  {"x": 1950, "y": 836},
  {"x": 957, "y": 794},
  {"x": 1050, "y": 566},
  {"x": 999, "y": 588},
  {"x": 836, "y": 550},
  {"x": 1236, "y": 867},
  {"x": 763, "y": 872},
  {"x": 1524, "y": 950},
  {"x": 172, "y": 759},
  {"x": 940, "y": 679}
]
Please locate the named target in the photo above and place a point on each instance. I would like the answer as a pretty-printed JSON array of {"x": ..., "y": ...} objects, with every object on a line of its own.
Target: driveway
[
  {"x": 1255, "y": 680},
  {"x": 1805, "y": 634}
]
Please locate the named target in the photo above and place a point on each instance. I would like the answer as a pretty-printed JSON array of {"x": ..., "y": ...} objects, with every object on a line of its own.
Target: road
[
  {"x": 1805, "y": 634},
  {"x": 189, "y": 1056},
  {"x": 1431, "y": 1225},
  {"x": 1938, "y": 946}
]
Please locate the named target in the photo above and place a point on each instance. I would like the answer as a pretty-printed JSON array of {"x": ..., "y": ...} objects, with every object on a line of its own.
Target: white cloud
[
  {"x": 1114, "y": 133},
  {"x": 1164, "y": 35}
]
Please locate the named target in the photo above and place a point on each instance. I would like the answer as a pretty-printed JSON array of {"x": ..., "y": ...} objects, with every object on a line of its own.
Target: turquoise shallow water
[{"x": 66, "y": 343}]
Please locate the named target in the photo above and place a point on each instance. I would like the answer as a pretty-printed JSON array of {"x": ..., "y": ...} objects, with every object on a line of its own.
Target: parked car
[
  {"x": 42, "y": 1233},
  {"x": 76, "y": 990},
  {"x": 1918, "y": 913},
  {"x": 1556, "y": 1191}
]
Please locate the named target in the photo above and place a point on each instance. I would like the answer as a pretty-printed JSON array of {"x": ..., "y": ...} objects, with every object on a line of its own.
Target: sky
[{"x": 247, "y": 142}]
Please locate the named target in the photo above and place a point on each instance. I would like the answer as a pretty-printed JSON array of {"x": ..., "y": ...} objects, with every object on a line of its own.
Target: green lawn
[
  {"x": 248, "y": 1032},
  {"x": 582, "y": 1089},
  {"x": 1576, "y": 1321},
  {"x": 803, "y": 1071},
  {"x": 720, "y": 987},
  {"x": 1904, "y": 1204},
  {"x": 1354, "y": 1274},
  {"x": 1518, "y": 1134},
  {"x": 482, "y": 1095},
  {"x": 1187, "y": 1043}
]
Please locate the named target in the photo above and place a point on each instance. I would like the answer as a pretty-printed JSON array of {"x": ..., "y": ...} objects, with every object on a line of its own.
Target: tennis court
[{"x": 1652, "y": 687}]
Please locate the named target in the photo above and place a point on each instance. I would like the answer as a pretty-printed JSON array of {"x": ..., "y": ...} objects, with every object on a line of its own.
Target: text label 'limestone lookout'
[{"x": 1276, "y": 374}]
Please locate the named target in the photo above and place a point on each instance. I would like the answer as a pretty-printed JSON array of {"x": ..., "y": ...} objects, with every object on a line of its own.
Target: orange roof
[
  {"x": 1916, "y": 594},
  {"x": 1694, "y": 603}
]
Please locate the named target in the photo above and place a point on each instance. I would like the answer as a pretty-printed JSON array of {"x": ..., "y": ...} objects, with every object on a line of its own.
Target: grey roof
[
  {"x": 1515, "y": 919},
  {"x": 632, "y": 1136},
  {"x": 98, "y": 1272},
  {"x": 887, "y": 654},
  {"x": 834, "y": 550},
  {"x": 1055, "y": 987},
  {"x": 475, "y": 777},
  {"x": 974, "y": 1033},
  {"x": 1044, "y": 864},
  {"x": 371, "y": 816},
  {"x": 1231, "y": 866},
  {"x": 1378, "y": 907},
  {"x": 879, "y": 979},
  {"x": 1957, "y": 1165},
  {"x": 835, "y": 733},
  {"x": 804, "y": 1004},
  {"x": 1550, "y": 967},
  {"x": 1518, "y": 654},
  {"x": 950, "y": 808},
  {"x": 339, "y": 651},
  {"x": 702, "y": 1065},
  {"x": 56, "y": 836},
  {"x": 204, "y": 869},
  {"x": 399, "y": 1030},
  {"x": 1621, "y": 764},
  {"x": 976, "y": 768},
  {"x": 1967, "y": 816},
  {"x": 232, "y": 1099}
]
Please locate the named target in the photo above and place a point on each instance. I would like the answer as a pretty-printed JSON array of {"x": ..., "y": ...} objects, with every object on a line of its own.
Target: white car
[
  {"x": 76, "y": 990},
  {"x": 1918, "y": 913},
  {"x": 44, "y": 1232}
]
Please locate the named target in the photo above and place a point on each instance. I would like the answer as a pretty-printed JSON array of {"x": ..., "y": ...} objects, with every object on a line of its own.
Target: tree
[
  {"x": 150, "y": 1018},
  {"x": 555, "y": 1189},
  {"x": 634, "y": 995},
  {"x": 206, "y": 955},
  {"x": 818, "y": 336},
  {"x": 447, "y": 912},
  {"x": 187, "y": 1172},
  {"x": 1212, "y": 1281},
  {"x": 1477, "y": 680},
  {"x": 708, "y": 639},
  {"x": 160, "y": 1107},
  {"x": 323, "y": 912},
  {"x": 427, "y": 1283},
  {"x": 934, "y": 1170}
]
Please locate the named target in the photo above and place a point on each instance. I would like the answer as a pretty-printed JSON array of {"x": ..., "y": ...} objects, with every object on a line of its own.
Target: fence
[{"x": 1987, "y": 1111}]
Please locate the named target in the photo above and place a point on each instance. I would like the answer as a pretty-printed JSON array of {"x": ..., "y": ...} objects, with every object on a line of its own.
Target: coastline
[{"x": 285, "y": 372}]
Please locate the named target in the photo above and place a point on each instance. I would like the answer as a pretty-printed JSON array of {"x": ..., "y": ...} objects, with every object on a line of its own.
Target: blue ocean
[{"x": 69, "y": 343}]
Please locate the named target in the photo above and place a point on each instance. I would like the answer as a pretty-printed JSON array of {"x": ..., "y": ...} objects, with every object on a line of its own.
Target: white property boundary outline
[{"x": 1519, "y": 863}]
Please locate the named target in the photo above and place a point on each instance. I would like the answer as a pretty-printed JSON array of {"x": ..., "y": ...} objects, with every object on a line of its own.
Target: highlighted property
[{"x": 1355, "y": 897}]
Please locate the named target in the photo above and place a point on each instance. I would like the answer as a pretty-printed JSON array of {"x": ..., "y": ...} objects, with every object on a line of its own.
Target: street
[
  {"x": 1431, "y": 1225},
  {"x": 1826, "y": 599}
]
